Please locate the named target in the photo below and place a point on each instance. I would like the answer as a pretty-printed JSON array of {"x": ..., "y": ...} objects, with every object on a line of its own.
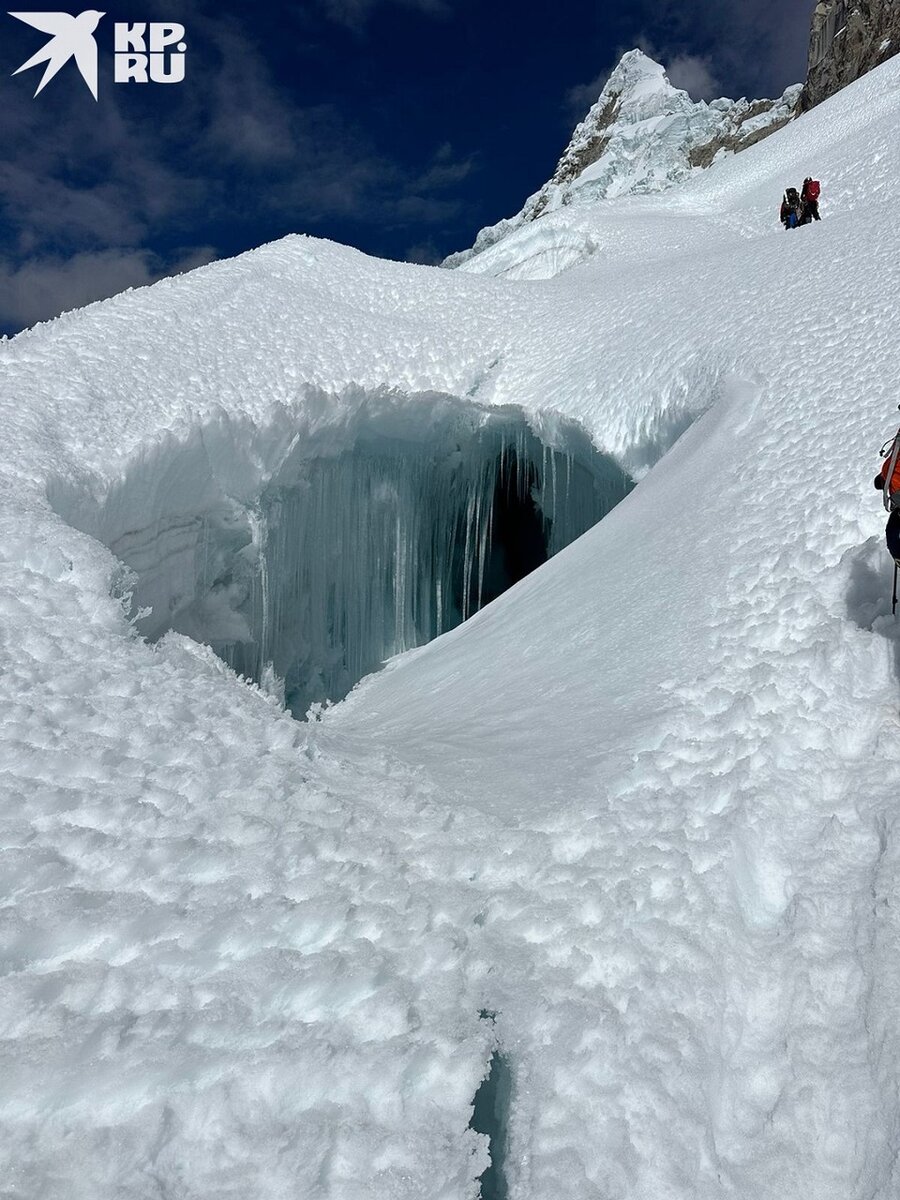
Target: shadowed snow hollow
[{"x": 306, "y": 563}]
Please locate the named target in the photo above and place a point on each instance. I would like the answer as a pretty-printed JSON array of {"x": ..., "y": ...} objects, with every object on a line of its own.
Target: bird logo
[{"x": 73, "y": 37}]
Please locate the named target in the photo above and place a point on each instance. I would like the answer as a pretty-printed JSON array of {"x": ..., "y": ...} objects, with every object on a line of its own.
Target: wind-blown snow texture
[{"x": 642, "y": 809}]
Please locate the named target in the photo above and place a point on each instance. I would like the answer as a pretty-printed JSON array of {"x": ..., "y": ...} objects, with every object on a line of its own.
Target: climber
[
  {"x": 809, "y": 201},
  {"x": 790, "y": 209},
  {"x": 887, "y": 481}
]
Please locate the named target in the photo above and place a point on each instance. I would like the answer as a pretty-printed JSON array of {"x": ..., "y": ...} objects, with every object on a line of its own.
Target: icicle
[
  {"x": 399, "y": 584},
  {"x": 272, "y": 684},
  {"x": 467, "y": 555},
  {"x": 568, "y": 505},
  {"x": 553, "y": 505},
  {"x": 487, "y": 536},
  {"x": 259, "y": 532},
  {"x": 478, "y": 539}
]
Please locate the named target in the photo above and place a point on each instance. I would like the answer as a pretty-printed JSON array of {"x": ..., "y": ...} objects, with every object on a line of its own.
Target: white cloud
[
  {"x": 249, "y": 118},
  {"x": 693, "y": 74},
  {"x": 445, "y": 170},
  {"x": 424, "y": 253},
  {"x": 753, "y": 48},
  {"x": 84, "y": 197},
  {"x": 43, "y": 287},
  {"x": 583, "y": 96}
]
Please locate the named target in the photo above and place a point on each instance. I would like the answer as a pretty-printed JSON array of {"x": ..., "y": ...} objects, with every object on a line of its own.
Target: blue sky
[{"x": 398, "y": 126}]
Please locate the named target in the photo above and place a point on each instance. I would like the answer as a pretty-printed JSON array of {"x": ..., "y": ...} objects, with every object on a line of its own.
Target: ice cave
[{"x": 306, "y": 555}]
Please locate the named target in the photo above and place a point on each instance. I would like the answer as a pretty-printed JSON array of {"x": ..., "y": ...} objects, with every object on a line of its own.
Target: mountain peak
[
  {"x": 637, "y": 88},
  {"x": 636, "y": 70},
  {"x": 641, "y": 135}
]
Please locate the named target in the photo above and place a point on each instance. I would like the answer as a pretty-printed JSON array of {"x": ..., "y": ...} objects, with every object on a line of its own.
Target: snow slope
[{"x": 632, "y": 827}]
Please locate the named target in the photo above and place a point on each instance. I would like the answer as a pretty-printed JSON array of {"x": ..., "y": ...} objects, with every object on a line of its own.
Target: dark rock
[{"x": 847, "y": 39}]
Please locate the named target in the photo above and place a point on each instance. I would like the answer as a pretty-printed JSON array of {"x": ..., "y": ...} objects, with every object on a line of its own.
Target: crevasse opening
[
  {"x": 490, "y": 1116},
  {"x": 308, "y": 556}
]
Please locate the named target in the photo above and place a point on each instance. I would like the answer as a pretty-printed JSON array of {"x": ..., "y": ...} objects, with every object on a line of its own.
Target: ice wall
[{"x": 306, "y": 556}]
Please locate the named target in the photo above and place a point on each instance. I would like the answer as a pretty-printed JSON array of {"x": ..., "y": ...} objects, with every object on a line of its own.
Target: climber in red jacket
[
  {"x": 809, "y": 201},
  {"x": 887, "y": 481}
]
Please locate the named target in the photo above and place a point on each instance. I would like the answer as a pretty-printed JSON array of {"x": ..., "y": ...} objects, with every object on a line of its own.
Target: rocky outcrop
[
  {"x": 749, "y": 130},
  {"x": 848, "y": 38}
]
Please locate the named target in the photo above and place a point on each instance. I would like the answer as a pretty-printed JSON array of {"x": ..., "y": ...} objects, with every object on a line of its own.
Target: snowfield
[{"x": 631, "y": 831}]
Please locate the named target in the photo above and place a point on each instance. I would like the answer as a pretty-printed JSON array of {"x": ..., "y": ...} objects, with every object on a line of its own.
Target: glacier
[{"x": 629, "y": 830}]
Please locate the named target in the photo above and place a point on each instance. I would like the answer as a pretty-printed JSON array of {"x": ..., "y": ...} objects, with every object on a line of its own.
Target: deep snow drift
[{"x": 632, "y": 828}]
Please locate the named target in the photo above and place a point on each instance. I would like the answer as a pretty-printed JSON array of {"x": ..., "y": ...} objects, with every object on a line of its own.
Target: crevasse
[{"x": 307, "y": 561}]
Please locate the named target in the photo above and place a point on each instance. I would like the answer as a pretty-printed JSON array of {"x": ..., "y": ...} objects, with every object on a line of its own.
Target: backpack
[
  {"x": 792, "y": 198},
  {"x": 889, "y": 471},
  {"x": 812, "y": 190}
]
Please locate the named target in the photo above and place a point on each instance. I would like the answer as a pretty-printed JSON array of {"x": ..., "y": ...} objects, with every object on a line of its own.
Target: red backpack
[
  {"x": 890, "y": 473},
  {"x": 812, "y": 189}
]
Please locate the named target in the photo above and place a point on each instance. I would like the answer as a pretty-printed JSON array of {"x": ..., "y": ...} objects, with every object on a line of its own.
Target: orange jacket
[{"x": 885, "y": 466}]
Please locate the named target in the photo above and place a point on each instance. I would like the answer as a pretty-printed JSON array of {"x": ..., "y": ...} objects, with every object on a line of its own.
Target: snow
[{"x": 640, "y": 808}]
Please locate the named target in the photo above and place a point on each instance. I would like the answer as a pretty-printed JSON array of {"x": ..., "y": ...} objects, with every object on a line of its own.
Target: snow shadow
[
  {"x": 869, "y": 594},
  {"x": 308, "y": 549},
  {"x": 688, "y": 398},
  {"x": 659, "y": 439}
]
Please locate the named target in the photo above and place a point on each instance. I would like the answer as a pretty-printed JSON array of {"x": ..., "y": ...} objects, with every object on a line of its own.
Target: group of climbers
[{"x": 803, "y": 207}]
